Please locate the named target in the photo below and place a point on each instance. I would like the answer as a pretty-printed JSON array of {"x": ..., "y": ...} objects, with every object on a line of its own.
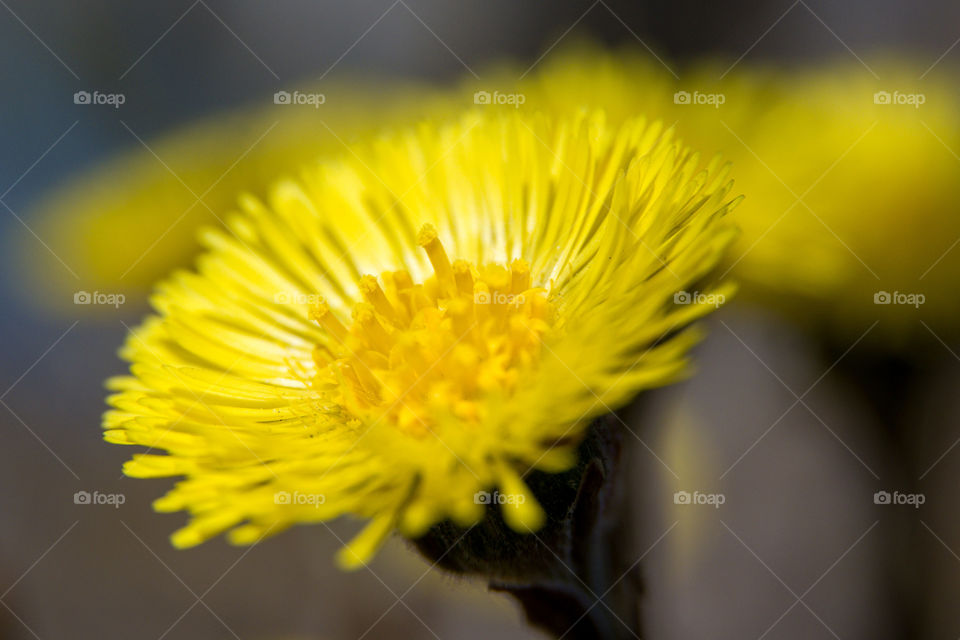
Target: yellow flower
[
  {"x": 852, "y": 180},
  {"x": 851, "y": 197},
  {"x": 429, "y": 317},
  {"x": 124, "y": 224}
]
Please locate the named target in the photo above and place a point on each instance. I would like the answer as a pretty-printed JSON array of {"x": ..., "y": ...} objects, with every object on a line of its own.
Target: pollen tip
[
  {"x": 402, "y": 280},
  {"x": 520, "y": 266},
  {"x": 319, "y": 311},
  {"x": 497, "y": 276},
  {"x": 428, "y": 233},
  {"x": 368, "y": 284},
  {"x": 363, "y": 312},
  {"x": 461, "y": 267}
]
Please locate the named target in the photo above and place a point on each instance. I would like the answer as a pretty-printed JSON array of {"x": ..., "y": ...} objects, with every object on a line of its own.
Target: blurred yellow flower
[
  {"x": 128, "y": 222},
  {"x": 398, "y": 332},
  {"x": 852, "y": 181}
]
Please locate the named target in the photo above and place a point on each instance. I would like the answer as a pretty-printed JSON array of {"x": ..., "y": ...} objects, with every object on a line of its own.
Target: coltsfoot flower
[
  {"x": 851, "y": 175},
  {"x": 419, "y": 323},
  {"x": 127, "y": 222}
]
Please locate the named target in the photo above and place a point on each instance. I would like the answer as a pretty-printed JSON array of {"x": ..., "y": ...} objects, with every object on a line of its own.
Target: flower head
[
  {"x": 158, "y": 193},
  {"x": 426, "y": 319},
  {"x": 852, "y": 178}
]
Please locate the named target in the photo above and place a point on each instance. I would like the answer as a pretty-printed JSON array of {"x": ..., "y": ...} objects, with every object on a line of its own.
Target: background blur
[{"x": 798, "y": 436}]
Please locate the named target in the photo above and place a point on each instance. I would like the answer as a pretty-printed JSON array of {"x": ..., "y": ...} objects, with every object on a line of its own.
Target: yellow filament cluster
[{"x": 416, "y": 354}]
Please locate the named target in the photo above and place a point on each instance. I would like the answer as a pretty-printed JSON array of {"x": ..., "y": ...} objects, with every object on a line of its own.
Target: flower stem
[{"x": 573, "y": 577}]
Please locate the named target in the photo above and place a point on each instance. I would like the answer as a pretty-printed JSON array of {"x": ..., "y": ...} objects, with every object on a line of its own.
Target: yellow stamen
[
  {"x": 411, "y": 348},
  {"x": 520, "y": 276},
  {"x": 428, "y": 239},
  {"x": 321, "y": 314},
  {"x": 365, "y": 319},
  {"x": 461, "y": 272},
  {"x": 373, "y": 294}
]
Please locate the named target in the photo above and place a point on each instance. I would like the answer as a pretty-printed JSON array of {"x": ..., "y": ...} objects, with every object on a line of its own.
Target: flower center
[{"x": 420, "y": 355}]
